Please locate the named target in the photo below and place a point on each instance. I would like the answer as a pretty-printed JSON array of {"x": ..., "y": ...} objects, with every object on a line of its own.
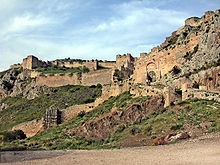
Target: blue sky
[{"x": 89, "y": 29}]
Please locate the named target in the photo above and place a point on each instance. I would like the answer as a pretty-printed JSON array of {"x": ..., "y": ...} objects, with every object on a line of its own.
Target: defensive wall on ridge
[
  {"x": 32, "y": 62},
  {"x": 91, "y": 78}
]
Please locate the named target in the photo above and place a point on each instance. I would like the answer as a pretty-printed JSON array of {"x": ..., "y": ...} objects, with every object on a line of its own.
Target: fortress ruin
[{"x": 171, "y": 64}]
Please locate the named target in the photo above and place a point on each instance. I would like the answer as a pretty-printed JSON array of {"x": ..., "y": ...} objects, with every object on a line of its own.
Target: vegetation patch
[
  {"x": 176, "y": 70},
  {"x": 8, "y": 136},
  {"x": 189, "y": 115},
  {"x": 118, "y": 75},
  {"x": 102, "y": 67},
  {"x": 62, "y": 70},
  {"x": 21, "y": 110}
]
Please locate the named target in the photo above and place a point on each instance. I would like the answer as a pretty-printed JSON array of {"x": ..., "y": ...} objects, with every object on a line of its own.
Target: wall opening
[{"x": 151, "y": 76}]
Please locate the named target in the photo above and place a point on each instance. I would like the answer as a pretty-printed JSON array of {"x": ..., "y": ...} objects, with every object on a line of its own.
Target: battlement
[
  {"x": 125, "y": 60},
  {"x": 32, "y": 62}
]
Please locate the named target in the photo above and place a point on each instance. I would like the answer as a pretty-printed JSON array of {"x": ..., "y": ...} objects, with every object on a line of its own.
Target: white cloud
[
  {"x": 77, "y": 29},
  {"x": 27, "y": 21}
]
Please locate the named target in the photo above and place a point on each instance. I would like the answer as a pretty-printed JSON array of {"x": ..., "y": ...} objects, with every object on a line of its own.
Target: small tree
[{"x": 176, "y": 70}]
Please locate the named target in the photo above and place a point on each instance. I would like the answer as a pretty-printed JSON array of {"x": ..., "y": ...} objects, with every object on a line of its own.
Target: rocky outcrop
[
  {"x": 204, "y": 55},
  {"x": 3, "y": 106},
  {"x": 16, "y": 81},
  {"x": 102, "y": 127},
  {"x": 170, "y": 138}
]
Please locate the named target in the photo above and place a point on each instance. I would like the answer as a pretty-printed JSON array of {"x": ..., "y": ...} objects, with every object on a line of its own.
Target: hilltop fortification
[
  {"x": 189, "y": 56},
  {"x": 185, "y": 66}
]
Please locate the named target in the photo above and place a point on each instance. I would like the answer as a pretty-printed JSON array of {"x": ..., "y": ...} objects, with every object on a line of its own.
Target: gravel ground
[{"x": 202, "y": 151}]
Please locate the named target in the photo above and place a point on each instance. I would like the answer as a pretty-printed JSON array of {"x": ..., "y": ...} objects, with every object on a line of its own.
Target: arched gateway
[{"x": 151, "y": 69}]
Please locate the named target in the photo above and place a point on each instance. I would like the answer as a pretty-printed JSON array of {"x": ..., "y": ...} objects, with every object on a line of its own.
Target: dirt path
[{"x": 202, "y": 151}]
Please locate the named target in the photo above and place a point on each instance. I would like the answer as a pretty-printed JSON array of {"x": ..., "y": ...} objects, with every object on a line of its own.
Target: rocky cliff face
[
  {"x": 16, "y": 81},
  {"x": 205, "y": 54}
]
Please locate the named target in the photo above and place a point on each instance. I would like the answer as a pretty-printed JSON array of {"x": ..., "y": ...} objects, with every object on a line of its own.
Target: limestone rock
[
  {"x": 16, "y": 82},
  {"x": 3, "y": 106},
  {"x": 170, "y": 138}
]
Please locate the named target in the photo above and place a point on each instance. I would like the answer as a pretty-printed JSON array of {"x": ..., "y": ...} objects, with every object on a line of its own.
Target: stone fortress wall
[
  {"x": 95, "y": 76},
  {"x": 86, "y": 79},
  {"x": 152, "y": 66},
  {"x": 32, "y": 62},
  {"x": 92, "y": 65},
  {"x": 126, "y": 61}
]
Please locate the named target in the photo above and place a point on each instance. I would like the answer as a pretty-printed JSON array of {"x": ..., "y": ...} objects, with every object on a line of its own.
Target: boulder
[
  {"x": 3, "y": 106},
  {"x": 170, "y": 138}
]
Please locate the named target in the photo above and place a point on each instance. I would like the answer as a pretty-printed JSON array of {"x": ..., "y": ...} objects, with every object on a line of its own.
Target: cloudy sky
[{"x": 89, "y": 29}]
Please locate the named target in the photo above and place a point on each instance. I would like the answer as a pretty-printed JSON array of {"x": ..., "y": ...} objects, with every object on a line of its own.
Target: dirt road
[{"x": 202, "y": 151}]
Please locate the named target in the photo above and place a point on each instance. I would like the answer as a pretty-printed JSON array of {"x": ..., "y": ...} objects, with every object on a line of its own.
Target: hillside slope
[{"x": 180, "y": 98}]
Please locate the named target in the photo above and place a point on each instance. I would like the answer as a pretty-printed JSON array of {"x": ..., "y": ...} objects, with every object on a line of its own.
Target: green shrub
[
  {"x": 188, "y": 106},
  {"x": 176, "y": 127},
  {"x": 176, "y": 70},
  {"x": 85, "y": 69},
  {"x": 8, "y": 136},
  {"x": 120, "y": 128},
  {"x": 81, "y": 114},
  {"x": 99, "y": 85},
  {"x": 195, "y": 85},
  {"x": 135, "y": 130}
]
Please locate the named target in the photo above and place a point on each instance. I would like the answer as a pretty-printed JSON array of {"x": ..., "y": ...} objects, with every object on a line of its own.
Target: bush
[
  {"x": 8, "y": 136},
  {"x": 176, "y": 70},
  {"x": 195, "y": 85},
  {"x": 148, "y": 128},
  {"x": 81, "y": 114},
  {"x": 135, "y": 130},
  {"x": 99, "y": 85},
  {"x": 92, "y": 86},
  {"x": 188, "y": 106},
  {"x": 85, "y": 69},
  {"x": 120, "y": 128},
  {"x": 89, "y": 100},
  {"x": 176, "y": 127}
]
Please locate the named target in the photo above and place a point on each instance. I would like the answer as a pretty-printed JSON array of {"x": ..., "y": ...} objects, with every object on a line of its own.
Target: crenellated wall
[
  {"x": 32, "y": 62},
  {"x": 126, "y": 61}
]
